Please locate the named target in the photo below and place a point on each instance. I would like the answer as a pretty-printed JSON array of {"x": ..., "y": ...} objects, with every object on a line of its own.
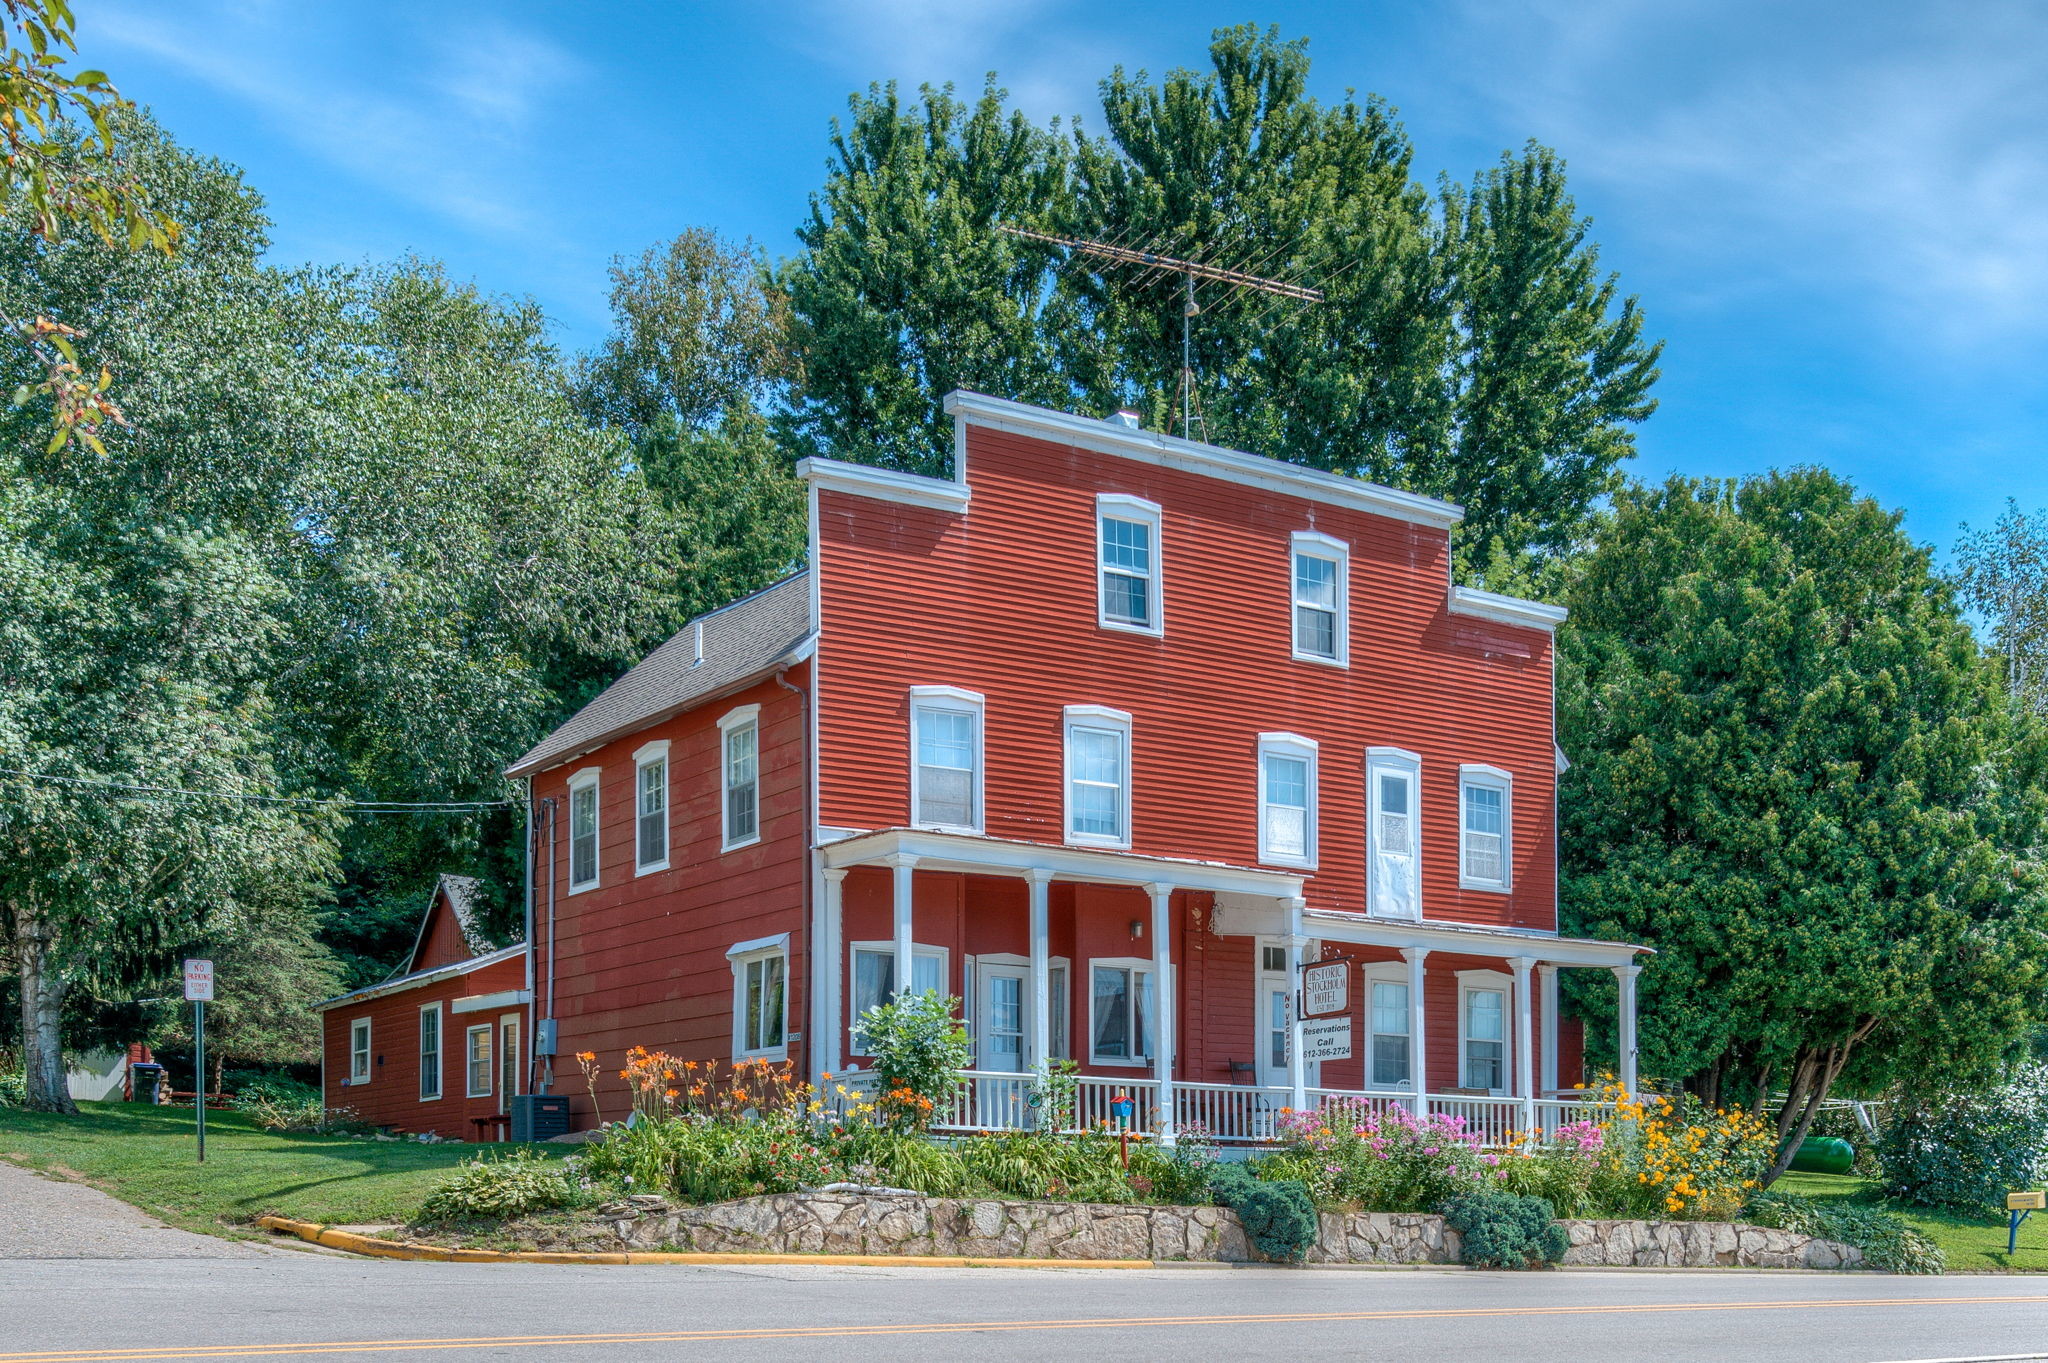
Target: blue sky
[{"x": 1835, "y": 213}]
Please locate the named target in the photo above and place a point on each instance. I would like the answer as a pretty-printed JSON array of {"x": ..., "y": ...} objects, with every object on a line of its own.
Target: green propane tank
[{"x": 1824, "y": 1155}]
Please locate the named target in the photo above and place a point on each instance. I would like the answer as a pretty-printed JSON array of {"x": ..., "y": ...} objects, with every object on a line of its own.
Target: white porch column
[
  {"x": 1625, "y": 975},
  {"x": 1164, "y": 1042},
  {"x": 1297, "y": 1069},
  {"x": 1418, "y": 1056},
  {"x": 1525, "y": 1042},
  {"x": 903, "y": 864},
  {"x": 1546, "y": 999},
  {"x": 1041, "y": 966},
  {"x": 828, "y": 1019}
]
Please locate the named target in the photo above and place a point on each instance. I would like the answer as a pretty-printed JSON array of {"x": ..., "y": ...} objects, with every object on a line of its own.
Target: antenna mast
[{"x": 1189, "y": 271}]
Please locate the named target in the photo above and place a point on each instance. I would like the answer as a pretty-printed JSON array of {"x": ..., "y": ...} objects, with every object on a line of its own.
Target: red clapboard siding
[
  {"x": 391, "y": 1097},
  {"x": 641, "y": 959},
  {"x": 1002, "y": 600}
]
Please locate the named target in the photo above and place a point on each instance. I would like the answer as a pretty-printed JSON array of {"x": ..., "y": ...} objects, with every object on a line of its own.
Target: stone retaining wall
[{"x": 856, "y": 1223}]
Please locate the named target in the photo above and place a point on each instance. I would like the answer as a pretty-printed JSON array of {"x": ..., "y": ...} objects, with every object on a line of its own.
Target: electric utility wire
[{"x": 330, "y": 802}]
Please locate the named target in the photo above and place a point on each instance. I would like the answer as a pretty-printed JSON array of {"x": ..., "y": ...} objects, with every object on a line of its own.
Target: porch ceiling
[
  {"x": 981, "y": 855},
  {"x": 1332, "y": 925}
]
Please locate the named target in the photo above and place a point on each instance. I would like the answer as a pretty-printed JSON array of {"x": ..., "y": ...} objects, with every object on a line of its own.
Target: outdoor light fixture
[{"x": 1137, "y": 927}]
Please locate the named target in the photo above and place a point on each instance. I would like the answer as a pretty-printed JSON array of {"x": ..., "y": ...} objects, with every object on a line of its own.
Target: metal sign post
[
  {"x": 2018, "y": 1207},
  {"x": 199, "y": 990}
]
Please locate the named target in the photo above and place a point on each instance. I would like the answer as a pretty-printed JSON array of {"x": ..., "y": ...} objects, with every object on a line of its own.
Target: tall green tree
[
  {"x": 2003, "y": 573},
  {"x": 698, "y": 331},
  {"x": 1795, "y": 776},
  {"x": 1468, "y": 345}
]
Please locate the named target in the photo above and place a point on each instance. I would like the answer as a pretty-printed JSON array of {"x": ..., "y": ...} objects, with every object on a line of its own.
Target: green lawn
[
  {"x": 145, "y": 1155},
  {"x": 1972, "y": 1245}
]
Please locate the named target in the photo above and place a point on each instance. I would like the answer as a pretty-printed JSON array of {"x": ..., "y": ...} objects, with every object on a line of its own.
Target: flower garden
[{"x": 703, "y": 1133}]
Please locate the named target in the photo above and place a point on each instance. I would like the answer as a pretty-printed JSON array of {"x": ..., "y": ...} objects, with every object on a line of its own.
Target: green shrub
[
  {"x": 1505, "y": 1230},
  {"x": 708, "y": 1161},
  {"x": 1887, "y": 1242},
  {"x": 1278, "y": 1216},
  {"x": 13, "y": 1088},
  {"x": 276, "y": 1088},
  {"x": 901, "y": 1159},
  {"x": 919, "y": 1047},
  {"x": 495, "y": 1187},
  {"x": 1966, "y": 1151}
]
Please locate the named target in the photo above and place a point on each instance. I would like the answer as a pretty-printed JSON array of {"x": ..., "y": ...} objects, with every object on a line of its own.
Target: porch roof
[
  {"x": 980, "y": 854},
  {"x": 1336, "y": 925}
]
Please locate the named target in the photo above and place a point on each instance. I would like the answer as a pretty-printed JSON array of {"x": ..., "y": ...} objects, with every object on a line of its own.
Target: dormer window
[{"x": 1127, "y": 562}]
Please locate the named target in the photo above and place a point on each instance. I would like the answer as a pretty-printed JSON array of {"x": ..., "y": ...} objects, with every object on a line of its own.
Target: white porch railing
[{"x": 1237, "y": 1114}]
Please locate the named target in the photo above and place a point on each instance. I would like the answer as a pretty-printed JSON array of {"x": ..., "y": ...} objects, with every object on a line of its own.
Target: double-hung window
[
  {"x": 1321, "y": 598},
  {"x": 359, "y": 1051},
  {"x": 430, "y": 1052},
  {"x": 1483, "y": 1030},
  {"x": 1121, "y": 1012},
  {"x": 650, "y": 808},
  {"x": 740, "y": 747},
  {"x": 760, "y": 979},
  {"x": 1389, "y": 1023},
  {"x": 479, "y": 1056},
  {"x": 583, "y": 829},
  {"x": 1127, "y": 564},
  {"x": 874, "y": 978},
  {"x": 1098, "y": 777},
  {"x": 945, "y": 769},
  {"x": 1287, "y": 799},
  {"x": 1485, "y": 827}
]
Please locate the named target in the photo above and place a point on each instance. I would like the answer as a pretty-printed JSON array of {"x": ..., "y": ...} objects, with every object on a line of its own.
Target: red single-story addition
[{"x": 439, "y": 1046}]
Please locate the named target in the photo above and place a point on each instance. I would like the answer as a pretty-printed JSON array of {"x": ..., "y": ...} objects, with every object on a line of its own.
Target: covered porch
[{"x": 1175, "y": 986}]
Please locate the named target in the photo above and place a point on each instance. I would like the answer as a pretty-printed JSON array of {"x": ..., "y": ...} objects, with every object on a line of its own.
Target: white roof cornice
[{"x": 1213, "y": 461}]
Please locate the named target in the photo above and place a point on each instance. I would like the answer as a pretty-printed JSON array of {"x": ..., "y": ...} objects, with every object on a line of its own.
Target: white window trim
[
  {"x": 644, "y": 757},
  {"x": 1124, "y": 507},
  {"x": 362, "y": 1026},
  {"x": 1142, "y": 964},
  {"x": 1289, "y": 745},
  {"x": 1489, "y": 980},
  {"x": 888, "y": 948},
  {"x": 1399, "y": 760},
  {"x": 952, "y": 700},
  {"x": 731, "y": 722},
  {"x": 742, "y": 956},
  {"x": 489, "y": 1030},
  {"x": 586, "y": 779},
  {"x": 1387, "y": 972},
  {"x": 1315, "y": 544},
  {"x": 440, "y": 1054},
  {"x": 1480, "y": 774},
  {"x": 1093, "y": 717}
]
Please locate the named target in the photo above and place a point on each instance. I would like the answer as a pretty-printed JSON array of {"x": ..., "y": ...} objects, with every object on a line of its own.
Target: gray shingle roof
[{"x": 741, "y": 640}]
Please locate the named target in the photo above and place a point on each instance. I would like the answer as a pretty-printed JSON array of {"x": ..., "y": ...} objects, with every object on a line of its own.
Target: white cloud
[
  {"x": 1898, "y": 155},
  {"x": 438, "y": 135}
]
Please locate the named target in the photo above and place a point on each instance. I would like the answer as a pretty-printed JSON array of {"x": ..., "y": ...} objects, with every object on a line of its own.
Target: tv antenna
[{"x": 1150, "y": 262}]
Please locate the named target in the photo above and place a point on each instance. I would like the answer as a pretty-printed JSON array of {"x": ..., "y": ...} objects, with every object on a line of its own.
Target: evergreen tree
[
  {"x": 1468, "y": 346},
  {"x": 1795, "y": 776}
]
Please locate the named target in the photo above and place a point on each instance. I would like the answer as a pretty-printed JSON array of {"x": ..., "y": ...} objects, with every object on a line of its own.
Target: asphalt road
[{"x": 284, "y": 1304}]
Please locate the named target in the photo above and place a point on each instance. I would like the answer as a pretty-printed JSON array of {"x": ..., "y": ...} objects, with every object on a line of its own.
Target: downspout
[
  {"x": 548, "y": 807},
  {"x": 810, "y": 820},
  {"x": 526, "y": 904}
]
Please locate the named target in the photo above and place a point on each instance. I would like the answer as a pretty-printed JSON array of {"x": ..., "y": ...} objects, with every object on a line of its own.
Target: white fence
[{"x": 1238, "y": 1114}]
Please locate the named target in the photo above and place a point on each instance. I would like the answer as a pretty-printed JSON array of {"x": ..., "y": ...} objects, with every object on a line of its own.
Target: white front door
[
  {"x": 1003, "y": 1018},
  {"x": 1275, "y": 1015}
]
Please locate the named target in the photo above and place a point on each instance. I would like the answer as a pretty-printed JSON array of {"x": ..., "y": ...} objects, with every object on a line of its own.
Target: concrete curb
[{"x": 375, "y": 1248}]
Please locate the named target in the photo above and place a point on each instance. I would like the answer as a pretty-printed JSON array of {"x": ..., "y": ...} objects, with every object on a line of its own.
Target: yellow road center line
[{"x": 970, "y": 1327}]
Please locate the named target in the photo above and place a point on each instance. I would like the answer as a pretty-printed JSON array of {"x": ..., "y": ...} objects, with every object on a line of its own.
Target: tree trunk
[
  {"x": 42, "y": 1009},
  {"x": 1813, "y": 1075}
]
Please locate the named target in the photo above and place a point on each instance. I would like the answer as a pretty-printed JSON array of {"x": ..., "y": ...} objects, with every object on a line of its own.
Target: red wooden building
[
  {"x": 440, "y": 1046},
  {"x": 1109, "y": 735}
]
